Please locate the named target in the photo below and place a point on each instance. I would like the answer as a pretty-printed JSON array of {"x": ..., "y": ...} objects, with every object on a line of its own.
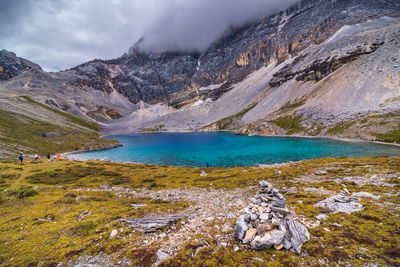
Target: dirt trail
[{"x": 208, "y": 212}]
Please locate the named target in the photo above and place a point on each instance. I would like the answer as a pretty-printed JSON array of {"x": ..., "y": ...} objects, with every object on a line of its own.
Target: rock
[
  {"x": 250, "y": 234},
  {"x": 265, "y": 184},
  {"x": 253, "y": 216},
  {"x": 152, "y": 224},
  {"x": 278, "y": 247},
  {"x": 286, "y": 244},
  {"x": 240, "y": 228},
  {"x": 226, "y": 227},
  {"x": 236, "y": 249},
  {"x": 321, "y": 172},
  {"x": 268, "y": 240},
  {"x": 105, "y": 187},
  {"x": 203, "y": 173},
  {"x": 311, "y": 189},
  {"x": 283, "y": 190},
  {"x": 264, "y": 216},
  {"x": 161, "y": 255},
  {"x": 283, "y": 211},
  {"x": 83, "y": 214},
  {"x": 114, "y": 233},
  {"x": 47, "y": 218},
  {"x": 263, "y": 228},
  {"x": 280, "y": 203},
  {"x": 365, "y": 194},
  {"x": 340, "y": 203},
  {"x": 81, "y": 198},
  {"x": 136, "y": 206},
  {"x": 298, "y": 234},
  {"x": 321, "y": 216},
  {"x": 223, "y": 244},
  {"x": 258, "y": 259}
]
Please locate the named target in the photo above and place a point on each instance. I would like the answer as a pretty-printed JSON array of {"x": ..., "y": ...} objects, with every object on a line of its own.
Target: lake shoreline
[{"x": 345, "y": 139}]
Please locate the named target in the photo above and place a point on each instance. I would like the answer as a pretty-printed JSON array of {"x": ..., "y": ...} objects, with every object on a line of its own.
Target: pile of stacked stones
[{"x": 268, "y": 223}]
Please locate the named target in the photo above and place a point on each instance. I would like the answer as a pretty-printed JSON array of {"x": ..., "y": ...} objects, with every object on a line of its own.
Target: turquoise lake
[{"x": 224, "y": 149}]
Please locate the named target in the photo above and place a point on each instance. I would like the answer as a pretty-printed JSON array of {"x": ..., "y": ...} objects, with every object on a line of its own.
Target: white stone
[
  {"x": 224, "y": 244},
  {"x": 114, "y": 233},
  {"x": 321, "y": 172},
  {"x": 161, "y": 255},
  {"x": 321, "y": 216},
  {"x": 226, "y": 227},
  {"x": 366, "y": 194},
  {"x": 264, "y": 216},
  {"x": 203, "y": 173}
]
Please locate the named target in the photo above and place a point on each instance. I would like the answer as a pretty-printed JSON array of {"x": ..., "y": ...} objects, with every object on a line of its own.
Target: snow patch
[
  {"x": 210, "y": 87},
  {"x": 348, "y": 30},
  {"x": 198, "y": 103}
]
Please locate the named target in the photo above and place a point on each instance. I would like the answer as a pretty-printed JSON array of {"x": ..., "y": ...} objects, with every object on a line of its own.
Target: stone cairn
[{"x": 268, "y": 223}]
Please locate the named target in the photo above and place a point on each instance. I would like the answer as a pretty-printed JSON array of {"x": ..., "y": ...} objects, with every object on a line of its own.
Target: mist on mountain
[{"x": 62, "y": 34}]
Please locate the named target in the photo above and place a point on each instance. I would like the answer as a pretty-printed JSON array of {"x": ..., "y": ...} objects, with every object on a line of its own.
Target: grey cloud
[{"x": 59, "y": 34}]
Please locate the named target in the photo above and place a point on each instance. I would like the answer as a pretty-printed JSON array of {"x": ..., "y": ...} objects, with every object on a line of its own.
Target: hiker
[
  {"x": 21, "y": 158},
  {"x": 207, "y": 165},
  {"x": 36, "y": 157},
  {"x": 48, "y": 157}
]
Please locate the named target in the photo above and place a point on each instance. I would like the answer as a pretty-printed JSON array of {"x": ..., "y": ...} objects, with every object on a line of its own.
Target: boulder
[
  {"x": 321, "y": 216},
  {"x": 152, "y": 224},
  {"x": 269, "y": 239},
  {"x": 250, "y": 235},
  {"x": 365, "y": 194},
  {"x": 240, "y": 228},
  {"x": 342, "y": 202},
  {"x": 298, "y": 234}
]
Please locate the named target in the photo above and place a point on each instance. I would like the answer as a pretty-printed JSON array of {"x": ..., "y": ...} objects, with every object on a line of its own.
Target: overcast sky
[{"x": 59, "y": 34}]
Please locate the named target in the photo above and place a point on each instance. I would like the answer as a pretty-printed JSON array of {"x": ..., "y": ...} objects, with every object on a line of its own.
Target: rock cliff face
[
  {"x": 277, "y": 66},
  {"x": 174, "y": 77},
  {"x": 12, "y": 66}
]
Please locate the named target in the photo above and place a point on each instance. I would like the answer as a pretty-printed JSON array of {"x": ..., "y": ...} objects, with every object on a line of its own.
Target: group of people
[{"x": 36, "y": 157}]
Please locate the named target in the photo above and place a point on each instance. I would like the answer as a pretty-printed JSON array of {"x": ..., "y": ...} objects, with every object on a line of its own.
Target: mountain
[{"x": 321, "y": 67}]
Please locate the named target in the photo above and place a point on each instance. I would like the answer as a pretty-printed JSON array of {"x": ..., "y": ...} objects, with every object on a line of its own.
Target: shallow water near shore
[{"x": 225, "y": 149}]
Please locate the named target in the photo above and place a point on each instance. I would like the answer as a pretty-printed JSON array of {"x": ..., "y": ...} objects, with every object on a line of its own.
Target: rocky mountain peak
[{"x": 12, "y": 66}]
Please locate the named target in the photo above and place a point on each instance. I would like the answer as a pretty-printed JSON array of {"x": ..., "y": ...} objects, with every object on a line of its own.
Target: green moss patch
[
  {"x": 339, "y": 128},
  {"x": 291, "y": 123}
]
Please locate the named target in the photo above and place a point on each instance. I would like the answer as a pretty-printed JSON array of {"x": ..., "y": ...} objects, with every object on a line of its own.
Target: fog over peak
[{"x": 59, "y": 34}]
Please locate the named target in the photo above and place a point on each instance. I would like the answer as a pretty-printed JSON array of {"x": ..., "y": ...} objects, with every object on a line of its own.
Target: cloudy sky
[{"x": 59, "y": 34}]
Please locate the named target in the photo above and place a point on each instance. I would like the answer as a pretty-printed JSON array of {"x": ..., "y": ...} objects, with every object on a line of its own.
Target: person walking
[
  {"x": 48, "y": 157},
  {"x": 21, "y": 158}
]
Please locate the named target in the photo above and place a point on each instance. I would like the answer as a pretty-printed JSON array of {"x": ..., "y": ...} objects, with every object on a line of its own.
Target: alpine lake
[{"x": 226, "y": 149}]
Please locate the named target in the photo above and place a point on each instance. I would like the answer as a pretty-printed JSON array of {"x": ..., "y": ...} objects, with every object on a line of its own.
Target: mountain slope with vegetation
[{"x": 30, "y": 127}]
